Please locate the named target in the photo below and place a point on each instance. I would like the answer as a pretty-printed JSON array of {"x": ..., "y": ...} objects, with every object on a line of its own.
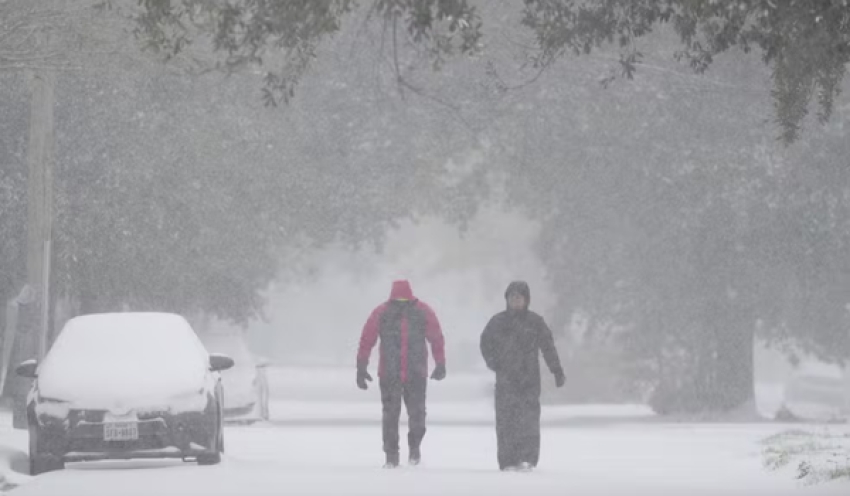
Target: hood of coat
[
  {"x": 401, "y": 290},
  {"x": 519, "y": 287}
]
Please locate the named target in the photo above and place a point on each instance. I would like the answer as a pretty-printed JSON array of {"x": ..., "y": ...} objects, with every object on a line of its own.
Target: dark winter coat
[{"x": 512, "y": 342}]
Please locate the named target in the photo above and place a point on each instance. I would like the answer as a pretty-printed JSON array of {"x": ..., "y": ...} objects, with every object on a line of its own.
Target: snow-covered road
[
  {"x": 629, "y": 459},
  {"x": 325, "y": 439}
]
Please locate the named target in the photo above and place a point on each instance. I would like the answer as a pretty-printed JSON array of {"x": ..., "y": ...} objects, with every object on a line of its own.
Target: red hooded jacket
[{"x": 405, "y": 326}]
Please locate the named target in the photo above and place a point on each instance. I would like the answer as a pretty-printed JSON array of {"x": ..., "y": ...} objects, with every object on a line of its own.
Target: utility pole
[{"x": 33, "y": 320}]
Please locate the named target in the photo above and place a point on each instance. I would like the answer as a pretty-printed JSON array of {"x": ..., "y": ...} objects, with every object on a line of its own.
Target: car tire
[
  {"x": 42, "y": 464},
  {"x": 213, "y": 458},
  {"x": 39, "y": 461},
  {"x": 209, "y": 458}
]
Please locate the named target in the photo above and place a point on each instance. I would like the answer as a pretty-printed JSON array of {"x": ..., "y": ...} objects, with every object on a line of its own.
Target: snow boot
[
  {"x": 415, "y": 455},
  {"x": 392, "y": 460}
]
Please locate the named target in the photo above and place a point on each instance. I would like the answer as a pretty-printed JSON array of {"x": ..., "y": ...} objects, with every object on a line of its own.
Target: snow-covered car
[
  {"x": 123, "y": 386},
  {"x": 816, "y": 395},
  {"x": 246, "y": 390}
]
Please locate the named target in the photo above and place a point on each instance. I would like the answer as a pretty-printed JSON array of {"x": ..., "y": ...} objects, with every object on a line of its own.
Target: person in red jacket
[{"x": 405, "y": 326}]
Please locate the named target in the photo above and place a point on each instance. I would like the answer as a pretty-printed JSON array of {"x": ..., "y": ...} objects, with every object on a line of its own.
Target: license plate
[{"x": 120, "y": 431}]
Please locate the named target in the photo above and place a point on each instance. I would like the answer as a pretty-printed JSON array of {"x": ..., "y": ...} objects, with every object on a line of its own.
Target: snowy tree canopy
[
  {"x": 665, "y": 205},
  {"x": 806, "y": 44}
]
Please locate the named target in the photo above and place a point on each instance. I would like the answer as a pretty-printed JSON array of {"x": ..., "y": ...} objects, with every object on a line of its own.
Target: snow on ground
[
  {"x": 325, "y": 439},
  {"x": 626, "y": 458},
  {"x": 816, "y": 455},
  {"x": 13, "y": 454}
]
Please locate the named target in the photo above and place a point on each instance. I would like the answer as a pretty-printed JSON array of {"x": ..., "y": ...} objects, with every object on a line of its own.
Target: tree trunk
[
  {"x": 718, "y": 375},
  {"x": 731, "y": 369},
  {"x": 735, "y": 370}
]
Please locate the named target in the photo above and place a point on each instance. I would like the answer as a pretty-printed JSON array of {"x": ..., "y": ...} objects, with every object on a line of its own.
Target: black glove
[
  {"x": 439, "y": 372},
  {"x": 362, "y": 377},
  {"x": 560, "y": 379}
]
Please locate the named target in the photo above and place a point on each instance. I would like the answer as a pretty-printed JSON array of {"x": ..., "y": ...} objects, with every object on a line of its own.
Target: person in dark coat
[
  {"x": 405, "y": 326},
  {"x": 511, "y": 344}
]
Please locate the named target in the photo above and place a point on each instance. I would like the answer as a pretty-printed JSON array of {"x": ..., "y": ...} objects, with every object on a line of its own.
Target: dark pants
[
  {"x": 413, "y": 392},
  {"x": 517, "y": 427}
]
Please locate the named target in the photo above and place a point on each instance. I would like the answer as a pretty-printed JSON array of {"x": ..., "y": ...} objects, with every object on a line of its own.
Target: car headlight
[
  {"x": 195, "y": 401},
  {"x": 52, "y": 408}
]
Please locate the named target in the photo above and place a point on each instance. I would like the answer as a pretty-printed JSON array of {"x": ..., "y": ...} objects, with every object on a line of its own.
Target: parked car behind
[
  {"x": 246, "y": 390},
  {"x": 122, "y": 386},
  {"x": 814, "y": 394}
]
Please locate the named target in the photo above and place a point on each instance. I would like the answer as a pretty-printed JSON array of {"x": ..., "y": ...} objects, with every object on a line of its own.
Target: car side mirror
[
  {"x": 27, "y": 368},
  {"x": 220, "y": 361}
]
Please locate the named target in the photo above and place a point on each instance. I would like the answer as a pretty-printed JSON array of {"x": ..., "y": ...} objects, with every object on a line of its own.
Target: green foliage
[
  {"x": 175, "y": 192},
  {"x": 819, "y": 457},
  {"x": 667, "y": 207},
  {"x": 181, "y": 193},
  {"x": 158, "y": 216},
  {"x": 806, "y": 44},
  {"x": 286, "y": 35},
  {"x": 664, "y": 204}
]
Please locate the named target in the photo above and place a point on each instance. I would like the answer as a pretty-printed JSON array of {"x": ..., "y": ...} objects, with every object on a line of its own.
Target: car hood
[{"x": 124, "y": 360}]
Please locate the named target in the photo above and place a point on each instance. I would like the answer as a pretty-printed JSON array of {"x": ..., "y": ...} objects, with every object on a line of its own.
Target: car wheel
[
  {"x": 41, "y": 464},
  {"x": 213, "y": 458},
  {"x": 209, "y": 458},
  {"x": 39, "y": 461}
]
